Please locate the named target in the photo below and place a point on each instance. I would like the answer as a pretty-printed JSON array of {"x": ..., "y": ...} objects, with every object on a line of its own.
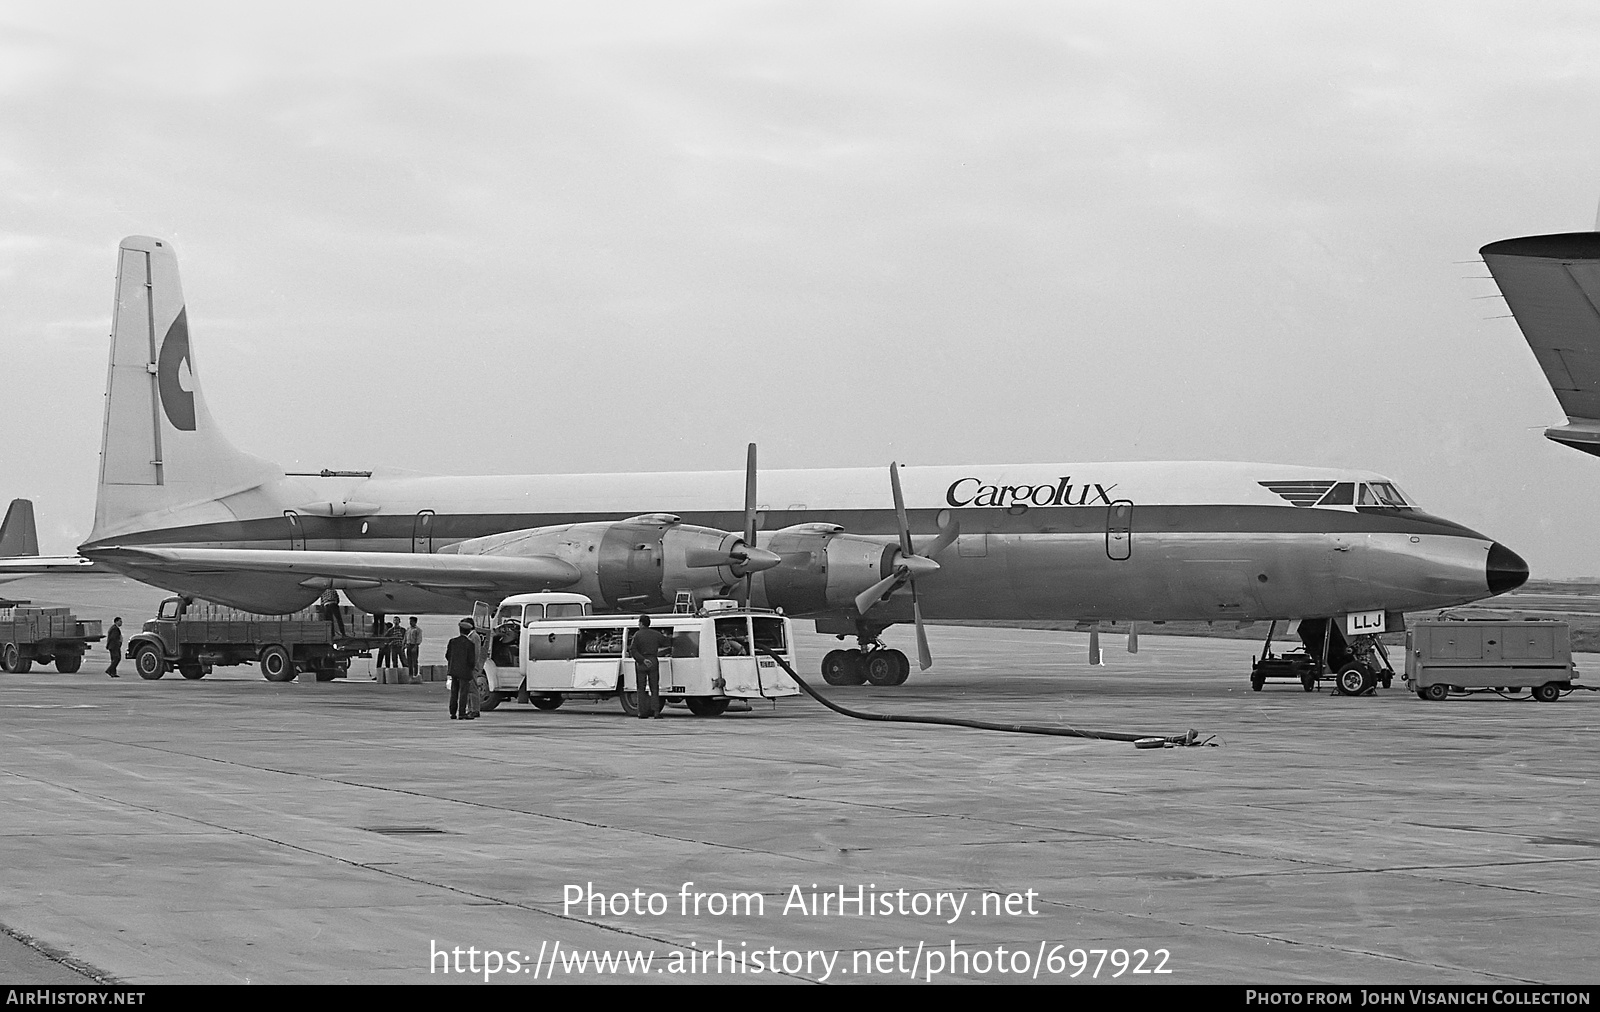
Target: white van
[{"x": 550, "y": 647}]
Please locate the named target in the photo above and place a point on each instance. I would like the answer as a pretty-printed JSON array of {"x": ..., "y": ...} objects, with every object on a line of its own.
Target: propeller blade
[
  {"x": 913, "y": 566},
  {"x": 900, "y": 509},
  {"x": 1094, "y": 646},
  {"x": 1133, "y": 638},
  {"x": 869, "y": 597},
  {"x": 924, "y": 655},
  {"x": 750, "y": 495},
  {"x": 947, "y": 535},
  {"x": 750, "y": 519}
]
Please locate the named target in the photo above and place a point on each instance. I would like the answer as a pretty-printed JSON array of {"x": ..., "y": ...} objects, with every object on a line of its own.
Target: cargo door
[
  {"x": 1119, "y": 530},
  {"x": 550, "y": 654}
]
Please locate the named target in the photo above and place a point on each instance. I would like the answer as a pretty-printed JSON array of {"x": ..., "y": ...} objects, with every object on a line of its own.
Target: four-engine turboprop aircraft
[{"x": 181, "y": 508}]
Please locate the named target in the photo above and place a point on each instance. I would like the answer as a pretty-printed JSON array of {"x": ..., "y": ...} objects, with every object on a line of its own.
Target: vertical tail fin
[
  {"x": 160, "y": 449},
  {"x": 18, "y": 535}
]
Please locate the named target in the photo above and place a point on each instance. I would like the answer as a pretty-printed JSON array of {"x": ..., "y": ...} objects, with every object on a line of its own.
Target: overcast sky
[{"x": 613, "y": 236}]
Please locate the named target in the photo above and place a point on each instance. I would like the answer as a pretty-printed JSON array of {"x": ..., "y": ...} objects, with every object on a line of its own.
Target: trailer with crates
[
  {"x": 193, "y": 638},
  {"x": 48, "y": 635},
  {"x": 1466, "y": 656}
]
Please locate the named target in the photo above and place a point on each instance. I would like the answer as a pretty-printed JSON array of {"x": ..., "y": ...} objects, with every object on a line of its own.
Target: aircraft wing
[
  {"x": 445, "y": 572},
  {"x": 1552, "y": 284}
]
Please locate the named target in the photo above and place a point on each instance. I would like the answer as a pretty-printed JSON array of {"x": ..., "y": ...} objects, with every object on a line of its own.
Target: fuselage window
[{"x": 1342, "y": 494}]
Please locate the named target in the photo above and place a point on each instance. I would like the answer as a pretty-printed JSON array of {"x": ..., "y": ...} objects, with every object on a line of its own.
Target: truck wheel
[
  {"x": 705, "y": 706},
  {"x": 11, "y": 658},
  {"x": 550, "y": 701},
  {"x": 276, "y": 664},
  {"x": 1256, "y": 682},
  {"x": 68, "y": 663},
  {"x": 1353, "y": 681},
  {"x": 1549, "y": 692},
  {"x": 1309, "y": 683},
  {"x": 1437, "y": 693},
  {"x": 191, "y": 670},
  {"x": 630, "y": 702},
  {"x": 149, "y": 663},
  {"x": 491, "y": 700}
]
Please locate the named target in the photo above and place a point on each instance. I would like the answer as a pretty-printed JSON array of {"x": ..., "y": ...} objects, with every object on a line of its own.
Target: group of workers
[{"x": 401, "y": 644}]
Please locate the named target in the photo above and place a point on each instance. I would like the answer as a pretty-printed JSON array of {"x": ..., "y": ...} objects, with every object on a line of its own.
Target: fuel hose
[{"x": 1188, "y": 738}]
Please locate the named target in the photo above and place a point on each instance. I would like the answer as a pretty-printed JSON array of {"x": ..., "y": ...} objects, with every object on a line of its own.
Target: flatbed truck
[
  {"x": 194, "y": 638},
  {"x": 31, "y": 633}
]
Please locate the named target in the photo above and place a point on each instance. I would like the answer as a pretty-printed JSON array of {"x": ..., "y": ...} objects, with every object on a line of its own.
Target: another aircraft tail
[
  {"x": 18, "y": 535},
  {"x": 161, "y": 454}
]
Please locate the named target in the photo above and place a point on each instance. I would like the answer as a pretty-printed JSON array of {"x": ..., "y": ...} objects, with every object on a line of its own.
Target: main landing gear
[{"x": 871, "y": 662}]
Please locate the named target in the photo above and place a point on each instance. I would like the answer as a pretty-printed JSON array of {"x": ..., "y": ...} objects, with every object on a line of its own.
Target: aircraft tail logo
[{"x": 175, "y": 400}]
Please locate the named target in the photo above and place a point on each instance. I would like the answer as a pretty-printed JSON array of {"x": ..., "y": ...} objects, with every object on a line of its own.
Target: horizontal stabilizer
[
  {"x": 1552, "y": 285},
  {"x": 428, "y": 572}
]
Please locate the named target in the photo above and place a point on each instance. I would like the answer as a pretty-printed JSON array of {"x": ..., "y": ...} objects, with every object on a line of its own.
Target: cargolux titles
[{"x": 973, "y": 492}]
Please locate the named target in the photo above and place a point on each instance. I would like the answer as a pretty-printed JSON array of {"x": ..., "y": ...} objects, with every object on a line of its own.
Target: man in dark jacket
[
  {"x": 114, "y": 645},
  {"x": 461, "y": 660},
  {"x": 643, "y": 648}
]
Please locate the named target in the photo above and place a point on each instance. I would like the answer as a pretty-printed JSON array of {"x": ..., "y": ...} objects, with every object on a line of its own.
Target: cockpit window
[
  {"x": 1342, "y": 494},
  {"x": 1383, "y": 493}
]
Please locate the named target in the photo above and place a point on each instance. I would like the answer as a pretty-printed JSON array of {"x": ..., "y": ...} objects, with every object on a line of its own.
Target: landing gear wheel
[
  {"x": 276, "y": 664},
  {"x": 149, "y": 663},
  {"x": 1549, "y": 692},
  {"x": 491, "y": 700},
  {"x": 550, "y": 702},
  {"x": 191, "y": 670},
  {"x": 705, "y": 706},
  {"x": 843, "y": 667},
  {"x": 1436, "y": 693},
  {"x": 11, "y": 658},
  {"x": 68, "y": 663},
  {"x": 904, "y": 664},
  {"x": 1353, "y": 681},
  {"x": 880, "y": 668}
]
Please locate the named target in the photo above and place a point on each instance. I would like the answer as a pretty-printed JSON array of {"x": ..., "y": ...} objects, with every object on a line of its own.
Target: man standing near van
[
  {"x": 460, "y": 658},
  {"x": 644, "y": 648}
]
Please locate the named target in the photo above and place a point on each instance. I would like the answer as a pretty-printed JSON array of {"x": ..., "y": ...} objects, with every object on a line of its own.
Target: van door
[{"x": 549, "y": 656}]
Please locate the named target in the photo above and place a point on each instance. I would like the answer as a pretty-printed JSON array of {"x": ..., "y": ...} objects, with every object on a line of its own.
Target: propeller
[{"x": 910, "y": 565}]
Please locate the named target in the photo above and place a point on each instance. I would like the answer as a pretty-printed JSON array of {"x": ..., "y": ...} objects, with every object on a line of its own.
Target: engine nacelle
[
  {"x": 635, "y": 564},
  {"x": 823, "y": 568}
]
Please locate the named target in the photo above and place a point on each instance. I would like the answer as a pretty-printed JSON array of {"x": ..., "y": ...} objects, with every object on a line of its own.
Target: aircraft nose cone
[{"x": 1505, "y": 569}]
